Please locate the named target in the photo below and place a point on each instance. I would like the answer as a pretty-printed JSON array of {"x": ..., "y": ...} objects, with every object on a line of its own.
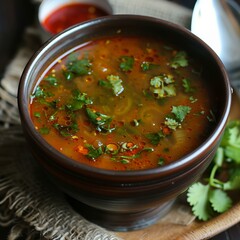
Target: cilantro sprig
[
  {"x": 211, "y": 196},
  {"x": 171, "y": 123},
  {"x": 101, "y": 121},
  {"x": 78, "y": 100},
  {"x": 77, "y": 67},
  {"x": 179, "y": 60},
  {"x": 114, "y": 82},
  {"x": 163, "y": 86},
  {"x": 126, "y": 63}
]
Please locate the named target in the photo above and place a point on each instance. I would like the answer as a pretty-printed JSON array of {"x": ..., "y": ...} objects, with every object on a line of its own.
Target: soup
[{"x": 123, "y": 103}]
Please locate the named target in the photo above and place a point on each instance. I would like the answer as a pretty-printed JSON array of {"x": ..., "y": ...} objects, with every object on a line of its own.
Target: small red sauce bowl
[
  {"x": 56, "y": 16},
  {"x": 119, "y": 200}
]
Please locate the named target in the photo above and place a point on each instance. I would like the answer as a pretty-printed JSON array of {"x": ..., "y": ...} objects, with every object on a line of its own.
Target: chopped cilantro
[
  {"x": 66, "y": 130},
  {"x": 93, "y": 152},
  {"x": 104, "y": 83},
  {"x": 163, "y": 86},
  {"x": 78, "y": 101},
  {"x": 211, "y": 197},
  {"x": 77, "y": 68},
  {"x": 114, "y": 82},
  {"x": 161, "y": 161},
  {"x": 231, "y": 141},
  {"x": 41, "y": 93},
  {"x": 155, "y": 138},
  {"x": 52, "y": 80},
  {"x": 101, "y": 121},
  {"x": 187, "y": 86},
  {"x": 37, "y": 114},
  {"x": 172, "y": 123},
  {"x": 179, "y": 60},
  {"x": 44, "y": 130},
  {"x": 126, "y": 63},
  {"x": 180, "y": 112},
  {"x": 192, "y": 99},
  {"x": 68, "y": 75},
  {"x": 146, "y": 66},
  {"x": 125, "y": 158}
]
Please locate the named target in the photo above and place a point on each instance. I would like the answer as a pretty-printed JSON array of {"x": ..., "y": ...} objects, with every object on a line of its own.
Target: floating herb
[
  {"x": 163, "y": 86},
  {"x": 114, "y": 82},
  {"x": 179, "y": 60},
  {"x": 101, "y": 121},
  {"x": 126, "y": 63}
]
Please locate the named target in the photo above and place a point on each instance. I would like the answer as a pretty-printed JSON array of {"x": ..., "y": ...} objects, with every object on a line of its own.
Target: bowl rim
[{"x": 78, "y": 167}]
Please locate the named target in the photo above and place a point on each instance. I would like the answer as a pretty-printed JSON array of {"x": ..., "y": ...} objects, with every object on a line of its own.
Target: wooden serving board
[{"x": 166, "y": 229}]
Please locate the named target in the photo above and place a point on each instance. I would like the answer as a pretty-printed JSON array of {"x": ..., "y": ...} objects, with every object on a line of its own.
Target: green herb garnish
[
  {"x": 179, "y": 60},
  {"x": 170, "y": 124},
  {"x": 114, "y": 82},
  {"x": 146, "y": 66},
  {"x": 101, "y": 121},
  {"x": 52, "y": 80},
  {"x": 155, "y": 138},
  {"x": 187, "y": 86},
  {"x": 66, "y": 130},
  {"x": 93, "y": 152},
  {"x": 78, "y": 101},
  {"x": 44, "y": 130},
  {"x": 126, "y": 63},
  {"x": 163, "y": 86},
  {"x": 180, "y": 112},
  {"x": 77, "y": 68},
  {"x": 37, "y": 114},
  {"x": 211, "y": 197},
  {"x": 125, "y": 158}
]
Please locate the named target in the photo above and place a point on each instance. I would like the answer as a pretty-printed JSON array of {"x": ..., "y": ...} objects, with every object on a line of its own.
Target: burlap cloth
[{"x": 29, "y": 202}]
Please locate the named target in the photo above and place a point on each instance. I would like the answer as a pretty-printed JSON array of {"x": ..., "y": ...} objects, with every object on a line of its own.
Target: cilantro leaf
[
  {"x": 78, "y": 101},
  {"x": 180, "y": 112},
  {"x": 44, "y": 130},
  {"x": 41, "y": 93},
  {"x": 172, "y": 123},
  {"x": 66, "y": 130},
  {"x": 233, "y": 184},
  {"x": 231, "y": 141},
  {"x": 101, "y": 121},
  {"x": 126, "y": 63},
  {"x": 225, "y": 166},
  {"x": 155, "y": 138},
  {"x": 126, "y": 158},
  {"x": 179, "y": 60},
  {"x": 187, "y": 86},
  {"x": 52, "y": 80},
  {"x": 146, "y": 66},
  {"x": 104, "y": 83},
  {"x": 197, "y": 197},
  {"x": 115, "y": 83},
  {"x": 93, "y": 152},
  {"x": 77, "y": 68},
  {"x": 163, "y": 86},
  {"x": 219, "y": 200}
]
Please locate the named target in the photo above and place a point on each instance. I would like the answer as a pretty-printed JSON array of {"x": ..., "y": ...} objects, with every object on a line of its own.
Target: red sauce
[{"x": 71, "y": 14}]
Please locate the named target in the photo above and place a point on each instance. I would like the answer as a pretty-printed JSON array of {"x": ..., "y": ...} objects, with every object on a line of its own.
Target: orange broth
[{"x": 123, "y": 103}]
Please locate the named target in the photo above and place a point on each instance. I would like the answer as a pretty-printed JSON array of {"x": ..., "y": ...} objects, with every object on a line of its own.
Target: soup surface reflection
[{"x": 123, "y": 103}]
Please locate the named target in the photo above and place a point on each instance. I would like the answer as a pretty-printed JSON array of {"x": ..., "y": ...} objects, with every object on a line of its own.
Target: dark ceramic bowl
[{"x": 121, "y": 200}]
